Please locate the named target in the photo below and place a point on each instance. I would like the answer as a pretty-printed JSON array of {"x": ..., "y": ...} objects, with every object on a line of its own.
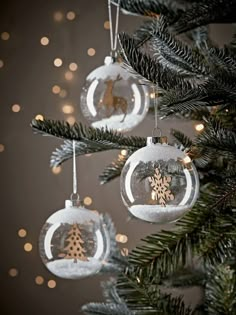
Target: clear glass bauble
[
  {"x": 74, "y": 243},
  {"x": 114, "y": 98},
  {"x": 159, "y": 183}
]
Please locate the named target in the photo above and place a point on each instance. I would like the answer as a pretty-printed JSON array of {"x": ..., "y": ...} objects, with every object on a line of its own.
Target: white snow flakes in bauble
[
  {"x": 159, "y": 183},
  {"x": 74, "y": 242},
  {"x": 114, "y": 98}
]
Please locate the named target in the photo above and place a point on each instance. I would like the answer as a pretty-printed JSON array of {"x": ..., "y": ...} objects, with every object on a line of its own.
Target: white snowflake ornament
[{"x": 157, "y": 185}]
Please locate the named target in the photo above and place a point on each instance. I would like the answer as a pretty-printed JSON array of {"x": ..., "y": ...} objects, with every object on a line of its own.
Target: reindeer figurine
[{"x": 111, "y": 102}]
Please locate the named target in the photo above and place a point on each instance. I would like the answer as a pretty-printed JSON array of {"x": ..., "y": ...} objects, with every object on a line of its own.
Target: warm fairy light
[
  {"x": 5, "y": 36},
  {"x": 68, "y": 109},
  {"x": 2, "y": 147},
  {"x": 22, "y": 233},
  {"x": 73, "y": 66},
  {"x": 138, "y": 280},
  {"x": 63, "y": 93},
  {"x": 52, "y": 284},
  {"x": 58, "y": 16},
  {"x": 152, "y": 95},
  {"x": 1, "y": 64},
  {"x": 39, "y": 280},
  {"x": 39, "y": 117},
  {"x": 28, "y": 247},
  {"x": 15, "y": 108},
  {"x": 199, "y": 127},
  {"x": 56, "y": 170},
  {"x": 70, "y": 15},
  {"x": 107, "y": 25},
  {"x": 57, "y": 62},
  {"x": 71, "y": 120},
  {"x": 44, "y": 41},
  {"x": 13, "y": 272},
  {"x": 124, "y": 251},
  {"x": 91, "y": 52},
  {"x": 88, "y": 201},
  {"x": 124, "y": 152},
  {"x": 69, "y": 75},
  {"x": 121, "y": 238},
  {"x": 187, "y": 160},
  {"x": 56, "y": 89}
]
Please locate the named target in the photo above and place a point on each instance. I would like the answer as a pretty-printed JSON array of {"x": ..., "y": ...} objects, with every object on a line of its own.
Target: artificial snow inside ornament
[
  {"x": 114, "y": 98},
  {"x": 159, "y": 183},
  {"x": 74, "y": 242}
]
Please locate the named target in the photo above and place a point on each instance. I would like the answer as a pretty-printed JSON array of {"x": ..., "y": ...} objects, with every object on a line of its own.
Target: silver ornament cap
[{"x": 155, "y": 140}]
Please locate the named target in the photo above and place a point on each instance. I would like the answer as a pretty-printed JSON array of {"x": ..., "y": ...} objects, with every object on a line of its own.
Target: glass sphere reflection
[
  {"x": 114, "y": 98},
  {"x": 74, "y": 243},
  {"x": 157, "y": 185}
]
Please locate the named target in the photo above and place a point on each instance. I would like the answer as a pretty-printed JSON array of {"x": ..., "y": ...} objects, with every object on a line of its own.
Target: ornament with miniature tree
[
  {"x": 159, "y": 183},
  {"x": 74, "y": 242},
  {"x": 111, "y": 96}
]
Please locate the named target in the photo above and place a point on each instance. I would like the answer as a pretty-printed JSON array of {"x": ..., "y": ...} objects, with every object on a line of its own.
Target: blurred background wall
[{"x": 46, "y": 50}]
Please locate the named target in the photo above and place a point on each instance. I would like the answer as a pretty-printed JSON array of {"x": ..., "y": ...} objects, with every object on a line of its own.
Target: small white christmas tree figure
[
  {"x": 160, "y": 188},
  {"x": 74, "y": 249}
]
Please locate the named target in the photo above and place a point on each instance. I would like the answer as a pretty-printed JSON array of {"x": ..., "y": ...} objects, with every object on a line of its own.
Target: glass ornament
[
  {"x": 74, "y": 243},
  {"x": 114, "y": 98},
  {"x": 159, "y": 183}
]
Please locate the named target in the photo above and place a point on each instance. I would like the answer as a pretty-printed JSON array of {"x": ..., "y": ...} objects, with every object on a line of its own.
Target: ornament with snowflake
[{"x": 160, "y": 188}]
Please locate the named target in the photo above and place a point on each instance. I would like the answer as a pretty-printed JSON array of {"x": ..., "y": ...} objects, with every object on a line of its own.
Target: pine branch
[
  {"x": 175, "y": 55},
  {"x": 145, "y": 297},
  {"x": 151, "y": 7},
  {"x": 220, "y": 292},
  {"x": 114, "y": 169},
  {"x": 106, "y": 309},
  {"x": 167, "y": 250},
  {"x": 202, "y": 13},
  {"x": 89, "y": 139},
  {"x": 148, "y": 68}
]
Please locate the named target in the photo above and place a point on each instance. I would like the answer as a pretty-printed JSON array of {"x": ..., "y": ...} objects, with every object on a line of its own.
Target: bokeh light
[
  {"x": 68, "y": 109},
  {"x": 15, "y": 108},
  {"x": 73, "y": 66},
  {"x": 71, "y": 120},
  {"x": 39, "y": 280},
  {"x": 91, "y": 52},
  {"x": 69, "y": 75},
  {"x": 5, "y": 35},
  {"x": 1, "y": 63},
  {"x": 39, "y": 117},
  {"x": 2, "y": 147},
  {"x": 88, "y": 201},
  {"x": 63, "y": 93},
  {"x": 56, "y": 89},
  {"x": 56, "y": 170},
  {"x": 57, "y": 62},
  {"x": 13, "y": 272},
  {"x": 70, "y": 15},
  {"x": 28, "y": 247},
  {"x": 22, "y": 233},
  {"x": 107, "y": 25},
  {"x": 58, "y": 16},
  {"x": 121, "y": 238},
  {"x": 44, "y": 41},
  {"x": 52, "y": 284},
  {"x": 199, "y": 127}
]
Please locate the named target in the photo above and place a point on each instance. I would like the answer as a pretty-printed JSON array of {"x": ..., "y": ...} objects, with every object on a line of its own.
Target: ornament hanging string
[
  {"x": 74, "y": 196},
  {"x": 156, "y": 128},
  {"x": 113, "y": 38}
]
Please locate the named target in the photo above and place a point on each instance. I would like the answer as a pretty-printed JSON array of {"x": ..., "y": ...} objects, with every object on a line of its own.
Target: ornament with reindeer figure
[
  {"x": 114, "y": 98},
  {"x": 111, "y": 102}
]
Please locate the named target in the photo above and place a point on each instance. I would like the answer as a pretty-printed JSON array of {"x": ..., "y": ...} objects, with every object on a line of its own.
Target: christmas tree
[
  {"x": 195, "y": 79},
  {"x": 74, "y": 248}
]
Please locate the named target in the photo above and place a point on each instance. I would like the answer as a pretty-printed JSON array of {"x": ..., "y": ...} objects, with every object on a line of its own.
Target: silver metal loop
[{"x": 158, "y": 130}]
